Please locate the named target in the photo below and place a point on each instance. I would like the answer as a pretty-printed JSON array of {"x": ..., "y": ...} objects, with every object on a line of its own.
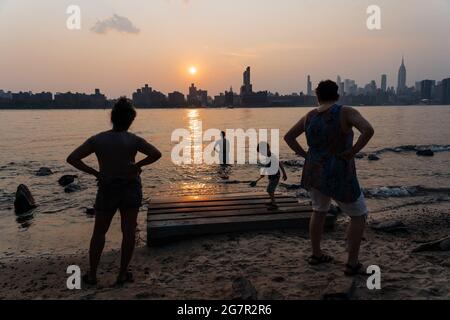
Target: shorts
[
  {"x": 321, "y": 203},
  {"x": 118, "y": 193},
  {"x": 273, "y": 183}
]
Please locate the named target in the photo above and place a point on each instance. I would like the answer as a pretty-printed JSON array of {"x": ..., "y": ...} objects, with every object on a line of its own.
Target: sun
[{"x": 193, "y": 70}]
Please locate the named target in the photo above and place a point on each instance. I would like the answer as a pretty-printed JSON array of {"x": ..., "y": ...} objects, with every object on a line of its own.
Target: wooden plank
[
  {"x": 227, "y": 213},
  {"x": 162, "y": 230},
  {"x": 207, "y": 198},
  {"x": 217, "y": 203},
  {"x": 152, "y": 212},
  {"x": 219, "y": 207}
]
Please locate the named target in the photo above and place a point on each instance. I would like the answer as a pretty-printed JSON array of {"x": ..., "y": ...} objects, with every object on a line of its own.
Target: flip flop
[
  {"x": 314, "y": 261},
  {"x": 87, "y": 280},
  {"x": 128, "y": 279}
]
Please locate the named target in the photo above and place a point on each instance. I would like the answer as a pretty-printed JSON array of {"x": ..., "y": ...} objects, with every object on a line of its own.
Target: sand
[{"x": 271, "y": 263}]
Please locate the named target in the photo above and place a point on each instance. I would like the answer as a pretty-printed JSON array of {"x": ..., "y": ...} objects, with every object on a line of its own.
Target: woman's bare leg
[
  {"x": 316, "y": 225},
  {"x": 355, "y": 234},
  {"x": 128, "y": 224},
  {"x": 101, "y": 227}
]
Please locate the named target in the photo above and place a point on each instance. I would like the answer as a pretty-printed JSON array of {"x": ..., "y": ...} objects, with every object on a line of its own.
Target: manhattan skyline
[{"x": 283, "y": 41}]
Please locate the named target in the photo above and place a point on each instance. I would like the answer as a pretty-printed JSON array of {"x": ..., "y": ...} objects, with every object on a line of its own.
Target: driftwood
[{"x": 438, "y": 245}]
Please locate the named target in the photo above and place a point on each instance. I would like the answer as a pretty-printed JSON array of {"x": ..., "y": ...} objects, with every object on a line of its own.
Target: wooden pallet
[{"x": 178, "y": 218}]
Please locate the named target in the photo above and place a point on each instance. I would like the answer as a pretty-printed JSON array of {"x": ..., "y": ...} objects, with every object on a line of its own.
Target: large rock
[
  {"x": 389, "y": 226},
  {"x": 66, "y": 180},
  {"x": 425, "y": 153},
  {"x": 439, "y": 245},
  {"x": 373, "y": 157},
  {"x": 44, "y": 171},
  {"x": 243, "y": 289},
  {"x": 72, "y": 188},
  {"x": 24, "y": 200}
]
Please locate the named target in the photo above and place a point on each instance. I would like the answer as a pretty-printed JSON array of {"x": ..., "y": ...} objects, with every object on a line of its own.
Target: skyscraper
[
  {"x": 445, "y": 97},
  {"x": 426, "y": 87},
  {"x": 309, "y": 86},
  {"x": 383, "y": 83},
  {"x": 247, "y": 87},
  {"x": 401, "y": 85}
]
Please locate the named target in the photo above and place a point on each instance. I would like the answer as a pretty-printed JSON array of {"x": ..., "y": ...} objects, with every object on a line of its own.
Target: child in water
[{"x": 274, "y": 178}]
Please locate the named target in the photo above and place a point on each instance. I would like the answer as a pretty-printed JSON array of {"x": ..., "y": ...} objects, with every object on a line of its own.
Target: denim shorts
[
  {"x": 118, "y": 193},
  {"x": 322, "y": 203}
]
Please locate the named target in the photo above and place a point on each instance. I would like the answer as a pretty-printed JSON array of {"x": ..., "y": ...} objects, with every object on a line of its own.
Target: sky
[{"x": 123, "y": 45}]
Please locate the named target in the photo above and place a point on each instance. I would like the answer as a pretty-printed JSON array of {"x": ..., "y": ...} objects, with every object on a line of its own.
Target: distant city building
[
  {"x": 426, "y": 89},
  {"x": 383, "y": 83},
  {"x": 309, "y": 86},
  {"x": 79, "y": 100},
  {"x": 401, "y": 84},
  {"x": 176, "y": 99},
  {"x": 248, "y": 97},
  {"x": 445, "y": 91},
  {"x": 197, "y": 97},
  {"x": 147, "y": 97},
  {"x": 247, "y": 87}
]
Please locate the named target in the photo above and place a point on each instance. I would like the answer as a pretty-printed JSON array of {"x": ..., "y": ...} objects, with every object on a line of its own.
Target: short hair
[
  {"x": 222, "y": 133},
  {"x": 327, "y": 91},
  {"x": 263, "y": 147},
  {"x": 122, "y": 114}
]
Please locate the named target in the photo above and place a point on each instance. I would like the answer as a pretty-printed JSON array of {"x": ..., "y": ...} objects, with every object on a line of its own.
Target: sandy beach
[{"x": 268, "y": 265}]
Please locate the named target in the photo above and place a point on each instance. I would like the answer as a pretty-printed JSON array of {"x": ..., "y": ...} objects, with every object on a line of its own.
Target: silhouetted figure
[
  {"x": 223, "y": 148},
  {"x": 329, "y": 171},
  {"x": 119, "y": 184},
  {"x": 274, "y": 177}
]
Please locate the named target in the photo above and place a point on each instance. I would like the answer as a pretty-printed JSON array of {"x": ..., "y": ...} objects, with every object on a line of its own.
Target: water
[{"x": 32, "y": 139}]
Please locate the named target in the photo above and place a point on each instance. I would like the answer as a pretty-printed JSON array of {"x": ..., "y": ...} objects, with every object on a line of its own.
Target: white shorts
[{"x": 322, "y": 203}]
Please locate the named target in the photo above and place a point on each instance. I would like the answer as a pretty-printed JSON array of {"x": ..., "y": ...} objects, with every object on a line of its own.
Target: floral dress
[{"x": 324, "y": 170}]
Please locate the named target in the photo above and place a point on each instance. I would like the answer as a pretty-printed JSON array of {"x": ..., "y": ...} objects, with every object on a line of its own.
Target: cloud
[{"x": 116, "y": 22}]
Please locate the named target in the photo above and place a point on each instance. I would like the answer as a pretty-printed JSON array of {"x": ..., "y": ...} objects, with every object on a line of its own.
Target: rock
[
  {"x": 439, "y": 245},
  {"x": 243, "y": 289},
  {"x": 66, "y": 180},
  {"x": 425, "y": 153},
  {"x": 389, "y": 226},
  {"x": 24, "y": 200},
  {"x": 360, "y": 155},
  {"x": 44, "y": 171},
  {"x": 90, "y": 211},
  {"x": 72, "y": 188},
  {"x": 373, "y": 157},
  {"x": 340, "y": 289}
]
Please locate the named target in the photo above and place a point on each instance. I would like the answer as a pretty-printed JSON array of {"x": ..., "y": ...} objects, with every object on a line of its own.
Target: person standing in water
[
  {"x": 222, "y": 147},
  {"x": 329, "y": 171},
  {"x": 119, "y": 184}
]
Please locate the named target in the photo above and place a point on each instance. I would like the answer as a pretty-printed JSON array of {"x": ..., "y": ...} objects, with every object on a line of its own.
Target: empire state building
[{"x": 401, "y": 86}]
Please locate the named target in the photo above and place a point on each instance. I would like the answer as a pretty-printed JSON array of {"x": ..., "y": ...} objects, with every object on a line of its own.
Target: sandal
[
  {"x": 128, "y": 278},
  {"x": 351, "y": 271},
  {"x": 314, "y": 261},
  {"x": 88, "y": 280}
]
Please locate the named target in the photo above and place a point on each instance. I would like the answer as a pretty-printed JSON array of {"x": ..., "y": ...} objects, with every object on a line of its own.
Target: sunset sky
[{"x": 157, "y": 41}]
